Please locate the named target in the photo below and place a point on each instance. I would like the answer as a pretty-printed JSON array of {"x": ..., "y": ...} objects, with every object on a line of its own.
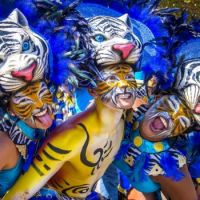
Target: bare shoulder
[
  {"x": 7, "y": 149},
  {"x": 5, "y": 142},
  {"x": 67, "y": 136},
  {"x": 71, "y": 127}
]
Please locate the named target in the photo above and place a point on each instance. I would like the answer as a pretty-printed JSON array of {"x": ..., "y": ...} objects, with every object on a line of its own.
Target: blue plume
[
  {"x": 169, "y": 164},
  {"x": 194, "y": 167},
  {"x": 123, "y": 150}
]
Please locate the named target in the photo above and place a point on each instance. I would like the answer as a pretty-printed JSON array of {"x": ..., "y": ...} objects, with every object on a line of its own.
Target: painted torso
[
  {"x": 86, "y": 172},
  {"x": 87, "y": 167},
  {"x": 84, "y": 145},
  {"x": 76, "y": 154}
]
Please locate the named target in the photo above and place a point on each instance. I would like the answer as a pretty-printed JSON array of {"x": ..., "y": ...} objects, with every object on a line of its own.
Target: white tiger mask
[
  {"x": 113, "y": 40},
  {"x": 188, "y": 84},
  {"x": 23, "y": 53}
]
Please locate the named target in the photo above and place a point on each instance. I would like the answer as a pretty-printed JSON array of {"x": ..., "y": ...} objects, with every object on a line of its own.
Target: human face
[
  {"x": 33, "y": 105},
  {"x": 167, "y": 117},
  {"x": 117, "y": 86}
]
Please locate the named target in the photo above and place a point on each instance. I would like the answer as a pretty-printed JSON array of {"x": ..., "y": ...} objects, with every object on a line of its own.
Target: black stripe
[
  {"x": 38, "y": 158},
  {"x": 58, "y": 184},
  {"x": 58, "y": 150},
  {"x": 66, "y": 182},
  {"x": 49, "y": 156},
  {"x": 47, "y": 167},
  {"x": 37, "y": 169},
  {"x": 53, "y": 184}
]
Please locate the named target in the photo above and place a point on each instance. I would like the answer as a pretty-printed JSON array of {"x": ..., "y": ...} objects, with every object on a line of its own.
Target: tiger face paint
[
  {"x": 167, "y": 117},
  {"x": 117, "y": 86},
  {"x": 33, "y": 105}
]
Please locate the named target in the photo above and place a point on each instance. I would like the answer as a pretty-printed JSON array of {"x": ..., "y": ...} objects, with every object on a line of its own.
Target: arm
[
  {"x": 177, "y": 190},
  {"x": 58, "y": 148},
  {"x": 8, "y": 152}
]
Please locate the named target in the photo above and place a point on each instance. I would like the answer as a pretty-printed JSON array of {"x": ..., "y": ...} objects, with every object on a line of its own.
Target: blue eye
[
  {"x": 26, "y": 46},
  {"x": 99, "y": 38},
  {"x": 128, "y": 37}
]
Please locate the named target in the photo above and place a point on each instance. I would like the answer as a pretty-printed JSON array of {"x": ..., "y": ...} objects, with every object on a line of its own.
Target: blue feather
[{"x": 169, "y": 164}]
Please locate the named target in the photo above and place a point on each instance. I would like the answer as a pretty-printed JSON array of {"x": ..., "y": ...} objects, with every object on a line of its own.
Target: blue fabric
[
  {"x": 93, "y": 196},
  {"x": 124, "y": 182},
  {"x": 110, "y": 181},
  {"x": 189, "y": 145},
  {"x": 189, "y": 50},
  {"x": 148, "y": 146},
  {"x": 27, "y": 130},
  {"x": 82, "y": 99},
  {"x": 9, "y": 176},
  {"x": 137, "y": 162},
  {"x": 46, "y": 194},
  {"x": 133, "y": 175}
]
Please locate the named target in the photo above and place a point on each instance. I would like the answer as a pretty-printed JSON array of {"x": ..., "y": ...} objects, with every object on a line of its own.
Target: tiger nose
[
  {"x": 122, "y": 83},
  {"x": 26, "y": 73},
  {"x": 124, "y": 49},
  {"x": 39, "y": 104}
]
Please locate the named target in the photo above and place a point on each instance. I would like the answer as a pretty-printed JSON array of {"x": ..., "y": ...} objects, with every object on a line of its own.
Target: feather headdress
[{"x": 64, "y": 26}]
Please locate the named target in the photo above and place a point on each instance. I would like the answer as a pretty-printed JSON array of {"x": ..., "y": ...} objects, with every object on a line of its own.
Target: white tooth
[
  {"x": 125, "y": 95},
  {"x": 163, "y": 121},
  {"x": 41, "y": 113},
  {"x": 191, "y": 94}
]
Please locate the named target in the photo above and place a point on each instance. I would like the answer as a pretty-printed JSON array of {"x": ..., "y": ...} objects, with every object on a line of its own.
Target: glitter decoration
[{"x": 192, "y": 6}]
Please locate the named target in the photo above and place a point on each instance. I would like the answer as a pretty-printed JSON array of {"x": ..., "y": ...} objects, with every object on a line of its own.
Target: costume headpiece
[
  {"x": 68, "y": 34},
  {"x": 23, "y": 54}
]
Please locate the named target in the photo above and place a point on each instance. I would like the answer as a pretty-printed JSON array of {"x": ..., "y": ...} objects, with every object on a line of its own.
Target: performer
[
  {"x": 129, "y": 51},
  {"x": 78, "y": 152},
  {"x": 156, "y": 140},
  {"x": 26, "y": 102},
  {"x": 29, "y": 109}
]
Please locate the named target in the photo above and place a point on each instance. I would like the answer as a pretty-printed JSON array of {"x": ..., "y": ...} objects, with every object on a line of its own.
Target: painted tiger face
[
  {"x": 23, "y": 53},
  {"x": 113, "y": 40},
  {"x": 188, "y": 85},
  {"x": 33, "y": 105},
  {"x": 167, "y": 117},
  {"x": 117, "y": 86}
]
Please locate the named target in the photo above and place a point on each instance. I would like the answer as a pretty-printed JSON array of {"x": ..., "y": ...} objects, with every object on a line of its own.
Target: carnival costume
[
  {"x": 24, "y": 63},
  {"x": 169, "y": 151},
  {"x": 106, "y": 82},
  {"x": 85, "y": 77}
]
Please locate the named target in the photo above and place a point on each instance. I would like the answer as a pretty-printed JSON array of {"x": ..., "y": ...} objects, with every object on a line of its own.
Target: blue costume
[
  {"x": 9, "y": 176},
  {"x": 189, "y": 145},
  {"x": 139, "y": 159},
  {"x": 26, "y": 140}
]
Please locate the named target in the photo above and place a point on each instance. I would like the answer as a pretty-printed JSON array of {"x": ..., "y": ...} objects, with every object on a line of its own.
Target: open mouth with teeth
[
  {"x": 159, "y": 124},
  {"x": 124, "y": 99},
  {"x": 44, "y": 118}
]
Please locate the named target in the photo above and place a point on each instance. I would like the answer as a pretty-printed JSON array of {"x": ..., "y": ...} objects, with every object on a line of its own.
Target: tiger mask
[
  {"x": 113, "y": 40},
  {"x": 23, "y": 53},
  {"x": 188, "y": 85}
]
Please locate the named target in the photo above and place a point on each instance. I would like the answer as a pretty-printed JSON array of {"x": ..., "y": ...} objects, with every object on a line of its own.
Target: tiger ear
[
  {"x": 17, "y": 17},
  {"x": 126, "y": 19}
]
